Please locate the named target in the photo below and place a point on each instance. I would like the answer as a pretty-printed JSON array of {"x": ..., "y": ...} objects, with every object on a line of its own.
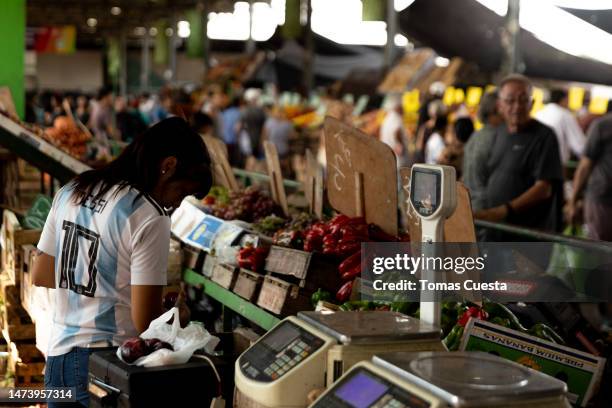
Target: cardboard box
[{"x": 579, "y": 370}]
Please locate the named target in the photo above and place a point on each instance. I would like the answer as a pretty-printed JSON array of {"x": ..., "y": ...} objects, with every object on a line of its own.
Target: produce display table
[
  {"x": 39, "y": 152},
  {"x": 231, "y": 301}
]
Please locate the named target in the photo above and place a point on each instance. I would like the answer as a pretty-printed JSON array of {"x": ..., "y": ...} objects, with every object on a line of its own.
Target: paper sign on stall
[
  {"x": 449, "y": 96},
  {"x": 459, "y": 96},
  {"x": 410, "y": 101},
  {"x": 538, "y": 100},
  {"x": 361, "y": 175},
  {"x": 474, "y": 94},
  {"x": 598, "y": 105},
  {"x": 575, "y": 98},
  {"x": 222, "y": 172},
  {"x": 276, "y": 177}
]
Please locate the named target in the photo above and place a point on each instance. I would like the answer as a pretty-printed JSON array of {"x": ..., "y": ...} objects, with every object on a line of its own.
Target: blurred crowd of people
[
  {"x": 515, "y": 165},
  {"x": 242, "y": 118}
]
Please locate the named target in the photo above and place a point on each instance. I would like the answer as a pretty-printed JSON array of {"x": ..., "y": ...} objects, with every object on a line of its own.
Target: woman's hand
[
  {"x": 178, "y": 300},
  {"x": 184, "y": 312}
]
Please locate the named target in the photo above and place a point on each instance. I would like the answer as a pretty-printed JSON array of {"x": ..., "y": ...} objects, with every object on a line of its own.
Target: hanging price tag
[
  {"x": 449, "y": 96},
  {"x": 575, "y": 98},
  {"x": 538, "y": 100},
  {"x": 410, "y": 101},
  {"x": 490, "y": 88},
  {"x": 598, "y": 105},
  {"x": 474, "y": 94},
  {"x": 459, "y": 96}
]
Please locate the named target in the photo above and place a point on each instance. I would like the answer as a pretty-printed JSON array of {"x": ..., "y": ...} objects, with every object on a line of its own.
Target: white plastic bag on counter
[{"x": 184, "y": 341}]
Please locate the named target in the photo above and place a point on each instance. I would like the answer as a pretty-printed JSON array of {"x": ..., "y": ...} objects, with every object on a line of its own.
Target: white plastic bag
[{"x": 184, "y": 341}]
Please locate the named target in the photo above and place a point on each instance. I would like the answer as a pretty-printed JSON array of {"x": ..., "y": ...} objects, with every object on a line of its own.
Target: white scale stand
[{"x": 433, "y": 196}]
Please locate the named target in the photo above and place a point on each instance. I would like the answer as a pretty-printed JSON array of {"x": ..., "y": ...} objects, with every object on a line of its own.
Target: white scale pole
[
  {"x": 431, "y": 233},
  {"x": 433, "y": 196}
]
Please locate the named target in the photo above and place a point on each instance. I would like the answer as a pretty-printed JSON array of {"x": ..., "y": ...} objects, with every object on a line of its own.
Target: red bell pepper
[
  {"x": 472, "y": 311},
  {"x": 350, "y": 262},
  {"x": 351, "y": 273},
  {"x": 339, "y": 219},
  {"x": 344, "y": 293},
  {"x": 345, "y": 248}
]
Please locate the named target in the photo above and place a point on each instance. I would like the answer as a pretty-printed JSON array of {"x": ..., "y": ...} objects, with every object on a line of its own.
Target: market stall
[{"x": 280, "y": 267}]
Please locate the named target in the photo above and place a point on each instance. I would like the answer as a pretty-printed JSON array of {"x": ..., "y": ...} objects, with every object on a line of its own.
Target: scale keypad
[{"x": 278, "y": 352}]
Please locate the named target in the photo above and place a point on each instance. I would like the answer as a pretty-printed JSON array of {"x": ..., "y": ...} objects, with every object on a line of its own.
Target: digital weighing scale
[
  {"x": 433, "y": 196},
  {"x": 312, "y": 350},
  {"x": 437, "y": 380}
]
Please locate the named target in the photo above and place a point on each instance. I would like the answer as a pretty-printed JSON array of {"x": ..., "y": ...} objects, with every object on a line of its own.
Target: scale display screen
[
  {"x": 364, "y": 389},
  {"x": 361, "y": 391},
  {"x": 283, "y": 348},
  {"x": 425, "y": 191}
]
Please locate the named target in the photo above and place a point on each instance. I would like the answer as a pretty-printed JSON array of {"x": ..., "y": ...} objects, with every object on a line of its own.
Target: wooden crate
[
  {"x": 282, "y": 298},
  {"x": 209, "y": 265},
  {"x": 25, "y": 287},
  {"x": 27, "y": 364},
  {"x": 224, "y": 275},
  {"x": 13, "y": 237},
  {"x": 247, "y": 284},
  {"x": 310, "y": 271},
  {"x": 193, "y": 258},
  {"x": 16, "y": 322}
]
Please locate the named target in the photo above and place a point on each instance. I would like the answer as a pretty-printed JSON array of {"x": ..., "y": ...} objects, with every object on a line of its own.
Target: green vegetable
[
  {"x": 499, "y": 310},
  {"x": 407, "y": 308},
  {"x": 501, "y": 321},
  {"x": 363, "y": 305},
  {"x": 453, "y": 340},
  {"x": 320, "y": 294},
  {"x": 220, "y": 194},
  {"x": 269, "y": 225},
  {"x": 545, "y": 332},
  {"x": 450, "y": 314}
]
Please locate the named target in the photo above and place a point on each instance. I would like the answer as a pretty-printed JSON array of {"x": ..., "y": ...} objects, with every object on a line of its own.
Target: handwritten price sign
[{"x": 361, "y": 175}]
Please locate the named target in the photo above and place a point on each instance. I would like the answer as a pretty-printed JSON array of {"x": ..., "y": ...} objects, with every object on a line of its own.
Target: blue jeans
[{"x": 69, "y": 370}]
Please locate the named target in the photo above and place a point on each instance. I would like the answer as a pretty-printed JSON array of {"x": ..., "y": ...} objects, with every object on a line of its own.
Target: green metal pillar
[{"x": 12, "y": 44}]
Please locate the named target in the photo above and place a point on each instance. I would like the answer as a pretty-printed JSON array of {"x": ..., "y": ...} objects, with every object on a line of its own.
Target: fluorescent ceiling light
[
  {"x": 601, "y": 91},
  {"x": 560, "y": 29},
  {"x": 402, "y": 4},
  {"x": 184, "y": 29},
  {"x": 92, "y": 22},
  {"x": 264, "y": 21},
  {"x": 401, "y": 40},
  {"x": 583, "y": 4},
  {"x": 349, "y": 29},
  {"x": 442, "y": 62},
  {"x": 235, "y": 26},
  {"x": 115, "y": 11}
]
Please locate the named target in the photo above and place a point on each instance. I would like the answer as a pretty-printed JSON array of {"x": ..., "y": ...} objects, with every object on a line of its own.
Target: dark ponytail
[{"x": 138, "y": 166}]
